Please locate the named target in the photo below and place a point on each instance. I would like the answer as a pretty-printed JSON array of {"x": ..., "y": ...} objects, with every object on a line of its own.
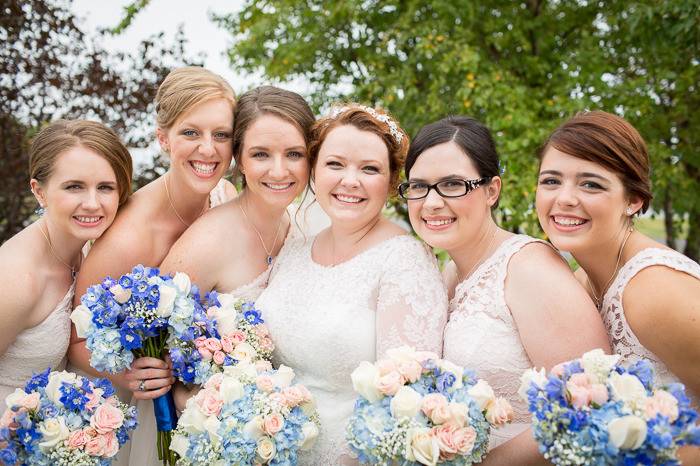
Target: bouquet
[
  {"x": 414, "y": 409},
  {"x": 61, "y": 418},
  {"x": 232, "y": 331},
  {"x": 593, "y": 411},
  {"x": 134, "y": 317},
  {"x": 248, "y": 414}
]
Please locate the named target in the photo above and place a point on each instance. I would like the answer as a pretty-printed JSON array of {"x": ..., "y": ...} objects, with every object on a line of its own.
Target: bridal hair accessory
[{"x": 386, "y": 119}]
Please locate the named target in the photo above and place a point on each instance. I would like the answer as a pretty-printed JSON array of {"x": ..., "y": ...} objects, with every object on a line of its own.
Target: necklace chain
[
  {"x": 262, "y": 241},
  {"x": 73, "y": 273},
  {"x": 172, "y": 206},
  {"x": 599, "y": 301},
  {"x": 483, "y": 256}
]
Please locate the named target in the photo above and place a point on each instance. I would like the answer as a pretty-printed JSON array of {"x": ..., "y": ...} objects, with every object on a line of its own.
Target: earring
[
  {"x": 41, "y": 210},
  {"x": 629, "y": 212}
]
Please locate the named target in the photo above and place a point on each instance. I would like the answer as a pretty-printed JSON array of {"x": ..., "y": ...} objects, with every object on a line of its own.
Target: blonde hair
[
  {"x": 183, "y": 88},
  {"x": 62, "y": 135}
]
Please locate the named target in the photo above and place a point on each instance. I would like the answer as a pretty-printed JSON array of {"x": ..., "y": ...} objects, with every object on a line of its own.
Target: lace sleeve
[{"x": 412, "y": 299}]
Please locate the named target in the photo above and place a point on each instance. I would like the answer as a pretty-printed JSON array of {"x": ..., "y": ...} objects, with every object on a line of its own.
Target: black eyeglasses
[{"x": 455, "y": 187}]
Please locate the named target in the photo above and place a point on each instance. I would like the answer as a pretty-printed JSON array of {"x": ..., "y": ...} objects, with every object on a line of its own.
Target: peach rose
[
  {"x": 262, "y": 331},
  {"x": 272, "y": 423},
  {"x": 385, "y": 366},
  {"x": 209, "y": 402},
  {"x": 111, "y": 445},
  {"x": 445, "y": 435},
  {"x": 441, "y": 414},
  {"x": 30, "y": 401},
  {"x": 265, "y": 383},
  {"x": 459, "y": 413},
  {"x": 464, "y": 439},
  {"x": 8, "y": 420},
  {"x": 431, "y": 402},
  {"x": 96, "y": 446},
  {"x": 277, "y": 398},
  {"x": 580, "y": 396},
  {"x": 581, "y": 379},
  {"x": 410, "y": 370},
  {"x": 219, "y": 357},
  {"x": 662, "y": 403},
  {"x": 106, "y": 418},
  {"x": 599, "y": 393},
  {"x": 294, "y": 395},
  {"x": 263, "y": 366},
  {"x": 390, "y": 383},
  {"x": 499, "y": 412},
  {"x": 78, "y": 439}
]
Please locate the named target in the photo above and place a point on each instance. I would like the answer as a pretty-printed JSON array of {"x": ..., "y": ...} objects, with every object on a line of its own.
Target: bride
[{"x": 359, "y": 287}]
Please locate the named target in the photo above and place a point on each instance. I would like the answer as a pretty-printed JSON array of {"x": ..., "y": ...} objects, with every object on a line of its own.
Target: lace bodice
[
  {"x": 622, "y": 338},
  {"x": 326, "y": 320},
  {"x": 481, "y": 334},
  {"x": 37, "y": 348}
]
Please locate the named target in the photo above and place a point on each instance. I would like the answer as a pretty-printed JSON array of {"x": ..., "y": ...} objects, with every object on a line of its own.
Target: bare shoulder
[
  {"x": 20, "y": 285},
  {"x": 538, "y": 260}
]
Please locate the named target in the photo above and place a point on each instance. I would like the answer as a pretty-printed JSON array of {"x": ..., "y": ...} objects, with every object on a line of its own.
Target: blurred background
[{"x": 520, "y": 67}]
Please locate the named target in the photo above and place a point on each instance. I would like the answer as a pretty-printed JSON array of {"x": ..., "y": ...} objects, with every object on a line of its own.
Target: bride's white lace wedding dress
[{"x": 325, "y": 320}]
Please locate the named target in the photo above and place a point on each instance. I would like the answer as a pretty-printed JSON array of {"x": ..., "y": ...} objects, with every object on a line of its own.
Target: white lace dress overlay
[
  {"x": 481, "y": 334},
  {"x": 622, "y": 338},
  {"x": 36, "y": 349},
  {"x": 324, "y": 321}
]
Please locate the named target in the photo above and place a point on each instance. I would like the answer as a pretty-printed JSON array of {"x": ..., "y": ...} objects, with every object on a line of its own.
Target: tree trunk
[
  {"x": 668, "y": 220},
  {"x": 692, "y": 245}
]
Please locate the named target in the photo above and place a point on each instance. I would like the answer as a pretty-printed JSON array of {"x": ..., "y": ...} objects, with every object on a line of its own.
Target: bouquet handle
[{"x": 166, "y": 421}]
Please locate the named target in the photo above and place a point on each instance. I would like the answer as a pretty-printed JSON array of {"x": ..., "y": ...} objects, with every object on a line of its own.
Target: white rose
[
  {"x": 309, "y": 432},
  {"x": 15, "y": 398},
  {"x": 266, "y": 449},
  {"x": 447, "y": 366},
  {"x": 225, "y": 321},
  {"x": 482, "y": 393},
  {"x": 211, "y": 425},
  {"x": 283, "y": 376},
  {"x": 82, "y": 319},
  {"x": 121, "y": 295},
  {"x": 365, "y": 380},
  {"x": 182, "y": 282},
  {"x": 53, "y": 431},
  {"x": 627, "y": 432},
  {"x": 56, "y": 379},
  {"x": 253, "y": 429},
  {"x": 530, "y": 376},
  {"x": 629, "y": 389},
  {"x": 244, "y": 352},
  {"x": 459, "y": 413},
  {"x": 166, "y": 301},
  {"x": 406, "y": 403},
  {"x": 244, "y": 368},
  {"x": 598, "y": 365},
  {"x": 422, "y": 447},
  {"x": 180, "y": 445},
  {"x": 230, "y": 389},
  {"x": 227, "y": 302},
  {"x": 192, "y": 419}
]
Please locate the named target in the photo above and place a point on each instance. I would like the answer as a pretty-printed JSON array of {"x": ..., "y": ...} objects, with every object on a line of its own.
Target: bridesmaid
[
  {"x": 362, "y": 285},
  {"x": 504, "y": 318},
  {"x": 593, "y": 181},
  {"x": 271, "y": 134},
  {"x": 80, "y": 174},
  {"x": 194, "y": 127}
]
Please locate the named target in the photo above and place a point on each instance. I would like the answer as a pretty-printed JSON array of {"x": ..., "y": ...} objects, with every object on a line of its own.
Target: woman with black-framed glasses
[{"x": 514, "y": 302}]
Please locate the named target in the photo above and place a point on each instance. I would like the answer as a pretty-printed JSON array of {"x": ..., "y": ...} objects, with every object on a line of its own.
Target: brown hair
[
  {"x": 268, "y": 100},
  {"x": 185, "y": 87},
  {"x": 610, "y": 141},
  {"x": 360, "y": 117},
  {"x": 62, "y": 135}
]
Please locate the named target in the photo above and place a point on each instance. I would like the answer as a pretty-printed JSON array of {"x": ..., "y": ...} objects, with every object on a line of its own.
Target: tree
[
  {"x": 520, "y": 67},
  {"x": 50, "y": 69}
]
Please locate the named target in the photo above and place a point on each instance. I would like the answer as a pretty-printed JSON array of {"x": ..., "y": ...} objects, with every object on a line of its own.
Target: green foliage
[{"x": 520, "y": 67}]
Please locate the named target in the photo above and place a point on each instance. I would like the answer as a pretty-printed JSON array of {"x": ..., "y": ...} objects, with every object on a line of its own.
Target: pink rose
[
  {"x": 385, "y": 366},
  {"x": 262, "y": 331},
  {"x": 94, "y": 399},
  {"x": 30, "y": 401},
  {"x": 212, "y": 344},
  {"x": 432, "y": 401},
  {"x": 209, "y": 402},
  {"x": 96, "y": 446},
  {"x": 277, "y": 398},
  {"x": 226, "y": 344},
  {"x": 206, "y": 354},
  {"x": 662, "y": 403},
  {"x": 445, "y": 435},
  {"x": 266, "y": 344},
  {"x": 263, "y": 366},
  {"x": 78, "y": 439},
  {"x": 599, "y": 393},
  {"x": 265, "y": 383},
  {"x": 464, "y": 439},
  {"x": 106, "y": 418},
  {"x": 580, "y": 396},
  {"x": 390, "y": 383},
  {"x": 199, "y": 342},
  {"x": 410, "y": 370},
  {"x": 272, "y": 423},
  {"x": 580, "y": 379},
  {"x": 441, "y": 414},
  {"x": 111, "y": 445},
  {"x": 499, "y": 412},
  {"x": 214, "y": 382},
  {"x": 219, "y": 357},
  {"x": 295, "y": 395},
  {"x": 236, "y": 337}
]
